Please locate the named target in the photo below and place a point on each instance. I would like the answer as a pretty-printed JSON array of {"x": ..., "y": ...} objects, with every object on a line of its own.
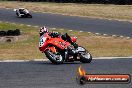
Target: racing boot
[
  {"x": 68, "y": 38},
  {"x": 74, "y": 51},
  {"x": 74, "y": 44}
]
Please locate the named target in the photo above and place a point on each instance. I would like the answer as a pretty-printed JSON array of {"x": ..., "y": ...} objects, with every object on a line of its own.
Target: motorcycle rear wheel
[
  {"x": 55, "y": 58},
  {"x": 85, "y": 56}
]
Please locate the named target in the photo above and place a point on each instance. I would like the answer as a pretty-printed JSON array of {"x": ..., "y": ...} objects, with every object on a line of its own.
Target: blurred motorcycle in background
[{"x": 22, "y": 13}]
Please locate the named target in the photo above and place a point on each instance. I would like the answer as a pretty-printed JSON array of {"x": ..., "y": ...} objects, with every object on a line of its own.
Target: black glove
[{"x": 54, "y": 34}]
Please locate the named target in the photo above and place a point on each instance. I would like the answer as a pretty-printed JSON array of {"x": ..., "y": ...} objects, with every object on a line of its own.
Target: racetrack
[
  {"x": 110, "y": 27},
  {"x": 38, "y": 74}
]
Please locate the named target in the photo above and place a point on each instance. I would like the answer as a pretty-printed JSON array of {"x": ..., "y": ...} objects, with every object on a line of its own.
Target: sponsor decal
[{"x": 84, "y": 78}]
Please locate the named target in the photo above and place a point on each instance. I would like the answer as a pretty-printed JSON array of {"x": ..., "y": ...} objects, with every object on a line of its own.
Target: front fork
[{"x": 70, "y": 56}]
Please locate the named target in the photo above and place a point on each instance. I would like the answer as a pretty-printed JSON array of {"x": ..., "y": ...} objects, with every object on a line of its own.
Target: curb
[
  {"x": 23, "y": 60},
  {"x": 112, "y": 57},
  {"x": 97, "y": 58},
  {"x": 97, "y": 34}
]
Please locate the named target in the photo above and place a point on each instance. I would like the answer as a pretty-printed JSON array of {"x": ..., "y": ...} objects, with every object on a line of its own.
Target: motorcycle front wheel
[
  {"x": 29, "y": 16},
  {"x": 86, "y": 58},
  {"x": 55, "y": 58}
]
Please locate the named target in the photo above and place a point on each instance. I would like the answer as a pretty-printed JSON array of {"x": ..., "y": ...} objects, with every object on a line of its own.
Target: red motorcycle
[{"x": 58, "y": 51}]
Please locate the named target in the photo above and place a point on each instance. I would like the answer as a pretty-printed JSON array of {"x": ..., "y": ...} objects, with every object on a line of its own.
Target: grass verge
[
  {"x": 28, "y": 48},
  {"x": 122, "y": 12}
]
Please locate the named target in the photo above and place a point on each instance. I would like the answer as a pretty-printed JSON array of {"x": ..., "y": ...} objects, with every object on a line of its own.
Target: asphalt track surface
[
  {"x": 110, "y": 27},
  {"x": 38, "y": 74}
]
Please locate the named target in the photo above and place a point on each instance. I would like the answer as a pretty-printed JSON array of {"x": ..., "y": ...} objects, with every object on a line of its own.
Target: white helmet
[{"x": 43, "y": 30}]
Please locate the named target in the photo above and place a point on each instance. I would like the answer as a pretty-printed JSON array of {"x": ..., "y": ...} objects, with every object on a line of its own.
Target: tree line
[{"x": 122, "y": 2}]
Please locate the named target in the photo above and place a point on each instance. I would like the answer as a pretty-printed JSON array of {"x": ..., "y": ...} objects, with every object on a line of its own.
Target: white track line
[
  {"x": 61, "y": 29},
  {"x": 128, "y": 37},
  {"x": 105, "y": 34},
  {"x": 89, "y": 32},
  {"x": 97, "y": 33},
  {"x": 72, "y": 30},
  {"x": 98, "y": 58},
  {"x": 53, "y": 28},
  {"x": 36, "y": 26},
  {"x": 23, "y": 60},
  {"x": 111, "y": 57},
  {"x": 80, "y": 31},
  {"x": 29, "y": 25}
]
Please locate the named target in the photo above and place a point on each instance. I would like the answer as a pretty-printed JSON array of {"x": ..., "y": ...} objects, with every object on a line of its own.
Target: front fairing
[
  {"x": 46, "y": 41},
  {"x": 58, "y": 42}
]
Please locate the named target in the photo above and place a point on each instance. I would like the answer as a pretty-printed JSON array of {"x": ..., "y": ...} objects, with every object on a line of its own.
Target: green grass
[
  {"x": 27, "y": 46},
  {"x": 20, "y": 49}
]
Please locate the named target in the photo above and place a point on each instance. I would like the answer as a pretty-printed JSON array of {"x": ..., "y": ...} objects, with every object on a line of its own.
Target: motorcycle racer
[
  {"x": 53, "y": 34},
  {"x": 22, "y": 12},
  {"x": 60, "y": 48}
]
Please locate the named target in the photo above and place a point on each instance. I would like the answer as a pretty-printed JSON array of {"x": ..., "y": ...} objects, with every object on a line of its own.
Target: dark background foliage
[{"x": 119, "y": 2}]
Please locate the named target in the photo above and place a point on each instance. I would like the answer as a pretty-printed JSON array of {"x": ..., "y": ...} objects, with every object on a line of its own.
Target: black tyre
[
  {"x": 17, "y": 32},
  {"x": 55, "y": 58},
  {"x": 10, "y": 33},
  {"x": 2, "y": 33},
  {"x": 85, "y": 56}
]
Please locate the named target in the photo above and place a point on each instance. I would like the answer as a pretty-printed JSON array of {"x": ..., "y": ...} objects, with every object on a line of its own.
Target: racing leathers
[{"x": 65, "y": 37}]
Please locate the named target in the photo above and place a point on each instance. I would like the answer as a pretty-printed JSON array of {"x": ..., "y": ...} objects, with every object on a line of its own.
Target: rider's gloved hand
[{"x": 55, "y": 34}]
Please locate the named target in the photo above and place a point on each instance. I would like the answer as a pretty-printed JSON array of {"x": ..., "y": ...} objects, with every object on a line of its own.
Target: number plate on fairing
[{"x": 42, "y": 41}]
